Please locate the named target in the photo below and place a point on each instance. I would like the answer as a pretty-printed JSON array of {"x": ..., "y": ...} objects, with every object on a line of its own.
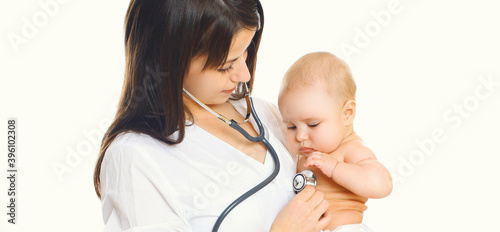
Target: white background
[{"x": 414, "y": 69}]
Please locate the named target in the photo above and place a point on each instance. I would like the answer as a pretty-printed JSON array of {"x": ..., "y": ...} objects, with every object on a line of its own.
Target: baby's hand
[{"x": 324, "y": 162}]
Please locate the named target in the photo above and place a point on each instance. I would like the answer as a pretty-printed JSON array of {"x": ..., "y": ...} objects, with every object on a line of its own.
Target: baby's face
[{"x": 314, "y": 120}]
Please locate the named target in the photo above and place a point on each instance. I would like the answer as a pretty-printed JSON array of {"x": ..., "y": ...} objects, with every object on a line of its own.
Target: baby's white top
[{"x": 147, "y": 185}]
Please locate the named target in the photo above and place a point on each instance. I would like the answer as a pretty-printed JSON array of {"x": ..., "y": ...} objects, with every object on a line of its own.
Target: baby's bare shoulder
[{"x": 355, "y": 151}]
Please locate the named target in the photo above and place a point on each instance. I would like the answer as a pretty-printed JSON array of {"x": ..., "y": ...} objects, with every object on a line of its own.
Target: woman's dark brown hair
[{"x": 161, "y": 39}]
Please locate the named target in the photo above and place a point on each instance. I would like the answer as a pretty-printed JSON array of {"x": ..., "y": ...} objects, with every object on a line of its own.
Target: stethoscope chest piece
[{"x": 303, "y": 179}]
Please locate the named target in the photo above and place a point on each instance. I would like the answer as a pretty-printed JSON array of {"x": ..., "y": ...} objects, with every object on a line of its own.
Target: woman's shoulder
[
  {"x": 132, "y": 139},
  {"x": 127, "y": 144}
]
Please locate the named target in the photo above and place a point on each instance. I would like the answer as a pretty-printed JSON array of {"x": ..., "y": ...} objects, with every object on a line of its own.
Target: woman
[{"x": 168, "y": 164}]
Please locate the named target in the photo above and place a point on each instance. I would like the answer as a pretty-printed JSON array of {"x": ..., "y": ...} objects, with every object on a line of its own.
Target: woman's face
[{"x": 214, "y": 86}]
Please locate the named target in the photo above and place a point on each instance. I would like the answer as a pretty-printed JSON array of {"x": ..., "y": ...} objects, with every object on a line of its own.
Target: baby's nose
[{"x": 302, "y": 136}]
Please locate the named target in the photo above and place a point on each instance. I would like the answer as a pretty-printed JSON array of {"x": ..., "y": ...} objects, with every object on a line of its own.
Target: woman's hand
[{"x": 303, "y": 213}]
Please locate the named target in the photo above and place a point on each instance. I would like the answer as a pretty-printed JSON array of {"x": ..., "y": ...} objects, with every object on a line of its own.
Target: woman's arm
[{"x": 135, "y": 196}]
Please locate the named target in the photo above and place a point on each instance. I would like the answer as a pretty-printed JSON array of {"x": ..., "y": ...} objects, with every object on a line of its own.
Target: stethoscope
[{"x": 300, "y": 180}]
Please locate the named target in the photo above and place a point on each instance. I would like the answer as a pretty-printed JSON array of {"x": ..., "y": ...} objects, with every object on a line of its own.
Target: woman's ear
[{"x": 349, "y": 112}]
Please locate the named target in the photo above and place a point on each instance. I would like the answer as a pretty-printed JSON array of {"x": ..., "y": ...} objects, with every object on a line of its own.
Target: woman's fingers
[
  {"x": 325, "y": 220},
  {"x": 316, "y": 203},
  {"x": 318, "y": 212},
  {"x": 321, "y": 207},
  {"x": 316, "y": 199},
  {"x": 303, "y": 213},
  {"x": 306, "y": 193}
]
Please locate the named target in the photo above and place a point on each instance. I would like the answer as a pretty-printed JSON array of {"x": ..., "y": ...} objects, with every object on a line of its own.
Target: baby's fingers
[
  {"x": 310, "y": 163},
  {"x": 313, "y": 160},
  {"x": 325, "y": 163}
]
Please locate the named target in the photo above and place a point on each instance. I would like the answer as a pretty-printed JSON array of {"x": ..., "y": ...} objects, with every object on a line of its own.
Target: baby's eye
[
  {"x": 291, "y": 127},
  {"x": 313, "y": 125}
]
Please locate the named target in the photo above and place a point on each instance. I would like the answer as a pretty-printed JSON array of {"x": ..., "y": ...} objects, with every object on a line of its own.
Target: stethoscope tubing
[{"x": 274, "y": 155}]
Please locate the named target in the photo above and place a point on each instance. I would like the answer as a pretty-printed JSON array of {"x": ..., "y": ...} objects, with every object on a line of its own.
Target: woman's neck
[{"x": 198, "y": 112}]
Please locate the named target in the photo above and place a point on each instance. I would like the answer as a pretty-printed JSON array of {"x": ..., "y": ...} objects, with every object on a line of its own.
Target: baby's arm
[{"x": 355, "y": 168}]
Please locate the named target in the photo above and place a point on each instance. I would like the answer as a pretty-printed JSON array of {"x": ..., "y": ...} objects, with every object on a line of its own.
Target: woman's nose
[{"x": 241, "y": 73}]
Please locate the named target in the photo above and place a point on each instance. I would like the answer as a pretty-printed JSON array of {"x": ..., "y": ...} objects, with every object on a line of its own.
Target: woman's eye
[
  {"x": 225, "y": 70},
  {"x": 313, "y": 125}
]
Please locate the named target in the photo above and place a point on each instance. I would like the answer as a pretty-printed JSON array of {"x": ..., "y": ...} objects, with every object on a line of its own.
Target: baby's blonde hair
[{"x": 321, "y": 67}]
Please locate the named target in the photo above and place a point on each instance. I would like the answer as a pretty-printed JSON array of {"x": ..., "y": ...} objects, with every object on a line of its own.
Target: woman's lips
[{"x": 229, "y": 91}]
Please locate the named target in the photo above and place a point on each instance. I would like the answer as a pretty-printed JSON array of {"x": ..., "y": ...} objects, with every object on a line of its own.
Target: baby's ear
[{"x": 349, "y": 112}]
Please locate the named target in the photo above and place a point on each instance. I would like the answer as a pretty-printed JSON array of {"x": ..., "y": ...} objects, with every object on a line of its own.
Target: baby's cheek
[
  {"x": 327, "y": 143},
  {"x": 291, "y": 142}
]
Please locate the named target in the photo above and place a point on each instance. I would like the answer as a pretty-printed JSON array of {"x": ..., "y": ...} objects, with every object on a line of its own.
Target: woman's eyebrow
[{"x": 231, "y": 61}]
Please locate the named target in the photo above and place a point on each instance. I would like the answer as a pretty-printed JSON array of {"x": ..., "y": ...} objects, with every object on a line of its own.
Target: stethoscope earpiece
[{"x": 303, "y": 179}]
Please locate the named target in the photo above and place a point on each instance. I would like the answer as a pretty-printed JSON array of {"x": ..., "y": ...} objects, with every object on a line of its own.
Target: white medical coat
[{"x": 147, "y": 185}]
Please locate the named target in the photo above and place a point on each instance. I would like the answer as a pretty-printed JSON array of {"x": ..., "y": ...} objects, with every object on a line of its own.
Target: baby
[{"x": 317, "y": 102}]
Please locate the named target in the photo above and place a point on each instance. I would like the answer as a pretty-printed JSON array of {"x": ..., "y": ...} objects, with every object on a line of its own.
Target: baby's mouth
[{"x": 305, "y": 150}]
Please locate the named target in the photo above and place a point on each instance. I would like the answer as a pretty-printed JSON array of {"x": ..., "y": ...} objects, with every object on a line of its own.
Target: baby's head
[{"x": 317, "y": 102}]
